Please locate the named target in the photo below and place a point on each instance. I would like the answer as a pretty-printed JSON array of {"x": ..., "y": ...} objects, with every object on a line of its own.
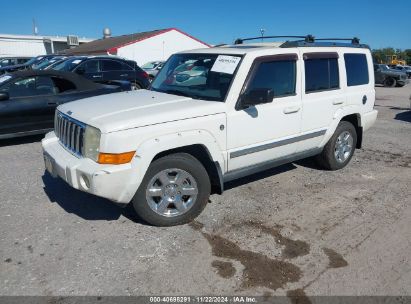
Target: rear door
[
  {"x": 322, "y": 95},
  {"x": 113, "y": 70},
  {"x": 28, "y": 108}
]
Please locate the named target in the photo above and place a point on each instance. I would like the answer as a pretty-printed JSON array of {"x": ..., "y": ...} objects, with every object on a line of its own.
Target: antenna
[{"x": 262, "y": 31}]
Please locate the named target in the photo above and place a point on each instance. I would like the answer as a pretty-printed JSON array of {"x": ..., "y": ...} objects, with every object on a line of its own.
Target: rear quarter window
[{"x": 357, "y": 69}]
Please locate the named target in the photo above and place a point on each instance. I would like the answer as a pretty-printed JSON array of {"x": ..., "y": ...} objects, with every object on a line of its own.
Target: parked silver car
[{"x": 152, "y": 68}]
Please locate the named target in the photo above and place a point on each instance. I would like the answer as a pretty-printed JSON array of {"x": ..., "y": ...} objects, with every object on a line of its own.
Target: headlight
[{"x": 91, "y": 144}]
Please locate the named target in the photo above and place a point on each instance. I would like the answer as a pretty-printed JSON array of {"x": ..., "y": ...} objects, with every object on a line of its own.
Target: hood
[{"x": 132, "y": 109}]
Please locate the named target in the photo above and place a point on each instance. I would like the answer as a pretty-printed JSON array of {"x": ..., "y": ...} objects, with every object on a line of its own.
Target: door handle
[
  {"x": 291, "y": 110},
  {"x": 97, "y": 76},
  {"x": 338, "y": 102},
  {"x": 124, "y": 75}
]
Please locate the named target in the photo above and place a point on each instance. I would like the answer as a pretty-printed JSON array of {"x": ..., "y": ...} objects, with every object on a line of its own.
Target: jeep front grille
[{"x": 70, "y": 133}]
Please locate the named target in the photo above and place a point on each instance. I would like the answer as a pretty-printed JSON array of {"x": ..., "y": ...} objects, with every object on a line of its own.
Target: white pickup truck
[{"x": 211, "y": 116}]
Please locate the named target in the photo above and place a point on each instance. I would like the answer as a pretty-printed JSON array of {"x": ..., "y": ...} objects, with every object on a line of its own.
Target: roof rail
[
  {"x": 354, "y": 40},
  {"x": 310, "y": 40},
  {"x": 307, "y": 38}
]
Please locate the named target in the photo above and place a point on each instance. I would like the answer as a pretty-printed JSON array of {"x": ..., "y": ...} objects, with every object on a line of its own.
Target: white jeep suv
[{"x": 211, "y": 116}]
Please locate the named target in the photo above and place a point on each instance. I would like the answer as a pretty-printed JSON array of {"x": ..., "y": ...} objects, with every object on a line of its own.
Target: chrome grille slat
[{"x": 70, "y": 133}]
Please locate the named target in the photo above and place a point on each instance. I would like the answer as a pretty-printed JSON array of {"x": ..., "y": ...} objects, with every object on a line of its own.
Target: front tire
[
  {"x": 339, "y": 150},
  {"x": 174, "y": 191}
]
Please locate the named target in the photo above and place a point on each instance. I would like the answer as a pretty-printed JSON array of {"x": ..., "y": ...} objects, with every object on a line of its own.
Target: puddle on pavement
[
  {"x": 298, "y": 296},
  {"x": 259, "y": 270},
  {"x": 224, "y": 269},
  {"x": 292, "y": 248},
  {"x": 336, "y": 260}
]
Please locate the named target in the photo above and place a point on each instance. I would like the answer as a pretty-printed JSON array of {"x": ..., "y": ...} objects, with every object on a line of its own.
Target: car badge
[{"x": 69, "y": 112}]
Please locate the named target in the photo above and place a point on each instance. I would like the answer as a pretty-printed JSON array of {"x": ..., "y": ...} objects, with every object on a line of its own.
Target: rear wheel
[
  {"x": 174, "y": 191},
  {"x": 339, "y": 150},
  {"x": 136, "y": 86},
  {"x": 390, "y": 82}
]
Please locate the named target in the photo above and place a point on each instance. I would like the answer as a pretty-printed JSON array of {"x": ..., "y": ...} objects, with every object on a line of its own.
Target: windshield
[
  {"x": 68, "y": 65},
  {"x": 34, "y": 60},
  {"x": 150, "y": 65},
  {"x": 199, "y": 76},
  {"x": 45, "y": 63}
]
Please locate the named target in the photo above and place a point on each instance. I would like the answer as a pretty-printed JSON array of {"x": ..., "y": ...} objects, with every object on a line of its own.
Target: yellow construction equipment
[{"x": 393, "y": 59}]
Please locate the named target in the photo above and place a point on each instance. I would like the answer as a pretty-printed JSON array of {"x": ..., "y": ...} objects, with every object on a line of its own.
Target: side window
[
  {"x": 32, "y": 86},
  {"x": 357, "y": 69},
  {"x": 126, "y": 67},
  {"x": 91, "y": 66},
  {"x": 321, "y": 73},
  {"x": 278, "y": 75},
  {"x": 63, "y": 85},
  {"x": 111, "y": 65}
]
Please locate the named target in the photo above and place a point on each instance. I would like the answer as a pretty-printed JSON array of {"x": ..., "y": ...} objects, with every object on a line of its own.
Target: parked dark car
[
  {"x": 389, "y": 77},
  {"x": 104, "y": 69},
  {"x": 8, "y": 61},
  {"x": 28, "y": 99},
  {"x": 25, "y": 66},
  {"x": 406, "y": 69}
]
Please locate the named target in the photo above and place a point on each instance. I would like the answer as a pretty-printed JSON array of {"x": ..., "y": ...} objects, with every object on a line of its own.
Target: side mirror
[
  {"x": 80, "y": 70},
  {"x": 256, "y": 97},
  {"x": 4, "y": 96}
]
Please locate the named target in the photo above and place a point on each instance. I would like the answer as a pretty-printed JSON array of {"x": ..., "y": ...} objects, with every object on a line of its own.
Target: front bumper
[{"x": 109, "y": 181}]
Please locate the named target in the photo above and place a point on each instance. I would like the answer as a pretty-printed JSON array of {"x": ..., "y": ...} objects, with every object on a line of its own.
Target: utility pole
[{"x": 35, "y": 29}]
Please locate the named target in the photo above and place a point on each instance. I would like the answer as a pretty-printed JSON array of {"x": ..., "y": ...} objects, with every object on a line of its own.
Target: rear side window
[
  {"x": 111, "y": 65},
  {"x": 357, "y": 69},
  {"x": 321, "y": 73},
  {"x": 280, "y": 76}
]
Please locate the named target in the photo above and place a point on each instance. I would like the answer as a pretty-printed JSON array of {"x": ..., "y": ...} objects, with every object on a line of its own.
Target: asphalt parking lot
[{"x": 291, "y": 230}]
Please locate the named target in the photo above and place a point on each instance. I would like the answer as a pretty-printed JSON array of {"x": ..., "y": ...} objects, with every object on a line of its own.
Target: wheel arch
[
  {"x": 203, "y": 155},
  {"x": 355, "y": 120}
]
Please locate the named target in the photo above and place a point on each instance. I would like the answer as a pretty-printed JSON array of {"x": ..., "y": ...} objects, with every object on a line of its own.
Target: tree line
[{"x": 380, "y": 55}]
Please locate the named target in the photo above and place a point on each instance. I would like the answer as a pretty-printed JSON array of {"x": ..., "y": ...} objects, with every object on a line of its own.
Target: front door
[
  {"x": 28, "y": 108},
  {"x": 268, "y": 131}
]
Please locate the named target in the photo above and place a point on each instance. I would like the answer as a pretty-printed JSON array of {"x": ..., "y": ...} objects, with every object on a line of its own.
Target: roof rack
[
  {"x": 310, "y": 41},
  {"x": 307, "y": 38}
]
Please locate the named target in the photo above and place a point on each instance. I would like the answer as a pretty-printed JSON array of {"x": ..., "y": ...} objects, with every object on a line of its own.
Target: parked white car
[{"x": 260, "y": 105}]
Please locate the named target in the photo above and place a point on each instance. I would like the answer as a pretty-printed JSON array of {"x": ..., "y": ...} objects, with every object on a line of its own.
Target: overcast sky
[{"x": 379, "y": 23}]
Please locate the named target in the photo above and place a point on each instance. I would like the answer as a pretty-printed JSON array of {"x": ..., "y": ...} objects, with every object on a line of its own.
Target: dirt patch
[
  {"x": 292, "y": 248},
  {"x": 336, "y": 260},
  {"x": 259, "y": 270},
  {"x": 392, "y": 159},
  {"x": 298, "y": 296},
  {"x": 8, "y": 260},
  {"x": 224, "y": 269},
  {"x": 30, "y": 248}
]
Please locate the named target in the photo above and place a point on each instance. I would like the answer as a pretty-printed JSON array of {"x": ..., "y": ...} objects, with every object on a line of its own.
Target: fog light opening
[{"x": 84, "y": 182}]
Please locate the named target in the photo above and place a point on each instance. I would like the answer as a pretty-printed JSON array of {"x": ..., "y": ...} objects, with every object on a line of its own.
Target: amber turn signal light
[{"x": 115, "y": 159}]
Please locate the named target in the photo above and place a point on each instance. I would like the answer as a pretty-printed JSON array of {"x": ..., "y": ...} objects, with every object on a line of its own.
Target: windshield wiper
[{"x": 177, "y": 92}]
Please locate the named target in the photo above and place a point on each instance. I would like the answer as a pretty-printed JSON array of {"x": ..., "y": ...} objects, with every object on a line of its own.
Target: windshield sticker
[
  {"x": 77, "y": 61},
  {"x": 225, "y": 64},
  {"x": 4, "y": 78}
]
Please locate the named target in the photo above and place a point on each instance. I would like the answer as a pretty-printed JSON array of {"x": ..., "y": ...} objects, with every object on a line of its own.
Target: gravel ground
[{"x": 293, "y": 230}]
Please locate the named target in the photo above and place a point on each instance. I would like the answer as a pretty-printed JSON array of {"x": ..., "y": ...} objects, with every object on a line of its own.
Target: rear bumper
[
  {"x": 111, "y": 182},
  {"x": 368, "y": 119}
]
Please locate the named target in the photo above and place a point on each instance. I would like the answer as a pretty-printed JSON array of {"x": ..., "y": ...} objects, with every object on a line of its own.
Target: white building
[
  {"x": 33, "y": 45},
  {"x": 143, "y": 47}
]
